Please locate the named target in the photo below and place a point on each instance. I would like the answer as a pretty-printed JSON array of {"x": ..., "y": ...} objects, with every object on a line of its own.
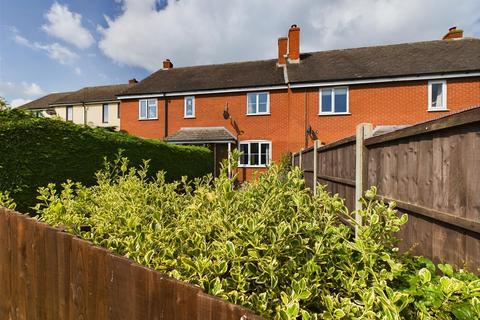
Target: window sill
[
  {"x": 148, "y": 119},
  {"x": 252, "y": 166},
  {"x": 438, "y": 110},
  {"x": 334, "y": 114},
  {"x": 257, "y": 114},
  {"x": 190, "y": 117}
]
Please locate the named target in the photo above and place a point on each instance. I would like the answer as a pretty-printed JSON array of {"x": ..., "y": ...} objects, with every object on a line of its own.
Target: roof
[
  {"x": 409, "y": 59},
  {"x": 201, "y": 135},
  {"x": 94, "y": 94},
  {"x": 43, "y": 102},
  {"x": 215, "y": 76},
  {"x": 419, "y": 58}
]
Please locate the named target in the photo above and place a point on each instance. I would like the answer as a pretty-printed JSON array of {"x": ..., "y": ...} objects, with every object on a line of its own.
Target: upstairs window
[
  {"x": 189, "y": 107},
  {"x": 258, "y": 103},
  {"x": 69, "y": 115},
  {"x": 334, "y": 101},
  {"x": 105, "y": 113},
  {"x": 437, "y": 95},
  {"x": 255, "y": 153},
  {"x": 148, "y": 109}
]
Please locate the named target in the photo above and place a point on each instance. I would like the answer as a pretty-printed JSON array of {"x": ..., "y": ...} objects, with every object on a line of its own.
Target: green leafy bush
[
  {"x": 36, "y": 151},
  {"x": 270, "y": 245}
]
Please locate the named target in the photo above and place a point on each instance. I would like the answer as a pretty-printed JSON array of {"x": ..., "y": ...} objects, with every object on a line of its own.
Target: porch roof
[{"x": 201, "y": 135}]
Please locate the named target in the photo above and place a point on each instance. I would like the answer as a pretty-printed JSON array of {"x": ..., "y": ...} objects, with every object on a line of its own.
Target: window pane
[
  {"x": 327, "y": 100},
  {"x": 437, "y": 95},
  {"x": 189, "y": 107},
  {"x": 105, "y": 113},
  {"x": 254, "y": 155},
  {"x": 152, "y": 112},
  {"x": 152, "y": 102},
  {"x": 341, "y": 100},
  {"x": 265, "y": 153},
  {"x": 244, "y": 153},
  {"x": 262, "y": 102},
  {"x": 252, "y": 103},
  {"x": 69, "y": 113},
  {"x": 143, "y": 109}
]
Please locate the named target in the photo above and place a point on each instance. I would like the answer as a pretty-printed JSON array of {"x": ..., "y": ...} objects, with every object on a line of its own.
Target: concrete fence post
[
  {"x": 364, "y": 131},
  {"x": 316, "y": 145}
]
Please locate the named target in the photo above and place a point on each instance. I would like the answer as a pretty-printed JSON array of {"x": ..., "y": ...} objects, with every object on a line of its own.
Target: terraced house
[
  {"x": 271, "y": 107},
  {"x": 93, "y": 106}
]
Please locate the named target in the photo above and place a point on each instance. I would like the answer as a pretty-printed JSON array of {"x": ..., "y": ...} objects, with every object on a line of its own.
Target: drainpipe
[
  {"x": 306, "y": 118},
  {"x": 166, "y": 117}
]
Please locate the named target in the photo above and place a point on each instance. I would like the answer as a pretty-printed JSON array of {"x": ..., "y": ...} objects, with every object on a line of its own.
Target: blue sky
[{"x": 53, "y": 46}]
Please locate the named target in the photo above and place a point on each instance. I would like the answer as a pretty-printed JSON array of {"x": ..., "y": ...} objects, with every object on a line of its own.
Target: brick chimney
[
  {"x": 167, "y": 64},
  {"x": 453, "y": 33},
  {"x": 282, "y": 50},
  {"x": 132, "y": 81},
  {"x": 294, "y": 44}
]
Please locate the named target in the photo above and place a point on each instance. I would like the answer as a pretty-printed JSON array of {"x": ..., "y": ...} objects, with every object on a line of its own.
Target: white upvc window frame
[
  {"x": 257, "y": 94},
  {"x": 259, "y": 142},
  {"x": 332, "y": 112},
  {"x": 185, "y": 115},
  {"x": 444, "y": 95},
  {"x": 147, "y": 111},
  {"x": 105, "y": 112},
  {"x": 66, "y": 113}
]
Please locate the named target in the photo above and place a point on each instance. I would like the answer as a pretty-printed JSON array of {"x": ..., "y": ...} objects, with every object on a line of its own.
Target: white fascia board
[
  {"x": 383, "y": 80},
  {"x": 201, "y": 92}
]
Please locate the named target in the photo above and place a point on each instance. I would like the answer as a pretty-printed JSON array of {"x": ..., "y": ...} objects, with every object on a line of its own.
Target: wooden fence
[
  {"x": 431, "y": 170},
  {"x": 49, "y": 274}
]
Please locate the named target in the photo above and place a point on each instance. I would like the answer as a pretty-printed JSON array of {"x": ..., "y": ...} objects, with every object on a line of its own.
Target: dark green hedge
[{"x": 37, "y": 151}]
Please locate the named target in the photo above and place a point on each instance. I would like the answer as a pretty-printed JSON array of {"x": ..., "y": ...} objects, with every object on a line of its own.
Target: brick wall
[{"x": 291, "y": 110}]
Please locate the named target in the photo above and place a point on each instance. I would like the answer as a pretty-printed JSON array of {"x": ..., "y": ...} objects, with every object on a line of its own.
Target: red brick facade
[{"x": 291, "y": 111}]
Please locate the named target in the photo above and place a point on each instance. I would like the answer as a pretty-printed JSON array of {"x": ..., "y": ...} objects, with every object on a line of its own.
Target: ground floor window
[{"x": 255, "y": 153}]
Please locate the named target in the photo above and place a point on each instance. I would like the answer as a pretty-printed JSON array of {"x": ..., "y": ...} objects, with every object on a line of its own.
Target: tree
[{"x": 3, "y": 103}]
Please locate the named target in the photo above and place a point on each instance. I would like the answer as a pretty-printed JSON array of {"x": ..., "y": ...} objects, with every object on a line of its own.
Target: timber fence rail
[
  {"x": 432, "y": 172},
  {"x": 46, "y": 273}
]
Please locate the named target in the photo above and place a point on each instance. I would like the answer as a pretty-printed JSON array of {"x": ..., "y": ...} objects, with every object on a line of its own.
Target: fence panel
[
  {"x": 48, "y": 274},
  {"x": 431, "y": 170}
]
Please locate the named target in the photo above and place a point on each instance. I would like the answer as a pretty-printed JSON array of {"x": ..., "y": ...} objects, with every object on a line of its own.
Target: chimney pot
[
  {"x": 282, "y": 50},
  {"x": 453, "y": 33},
  {"x": 167, "y": 64},
  {"x": 131, "y": 81},
  {"x": 294, "y": 44}
]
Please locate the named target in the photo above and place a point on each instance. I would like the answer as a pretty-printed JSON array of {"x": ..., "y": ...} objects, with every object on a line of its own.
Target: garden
[{"x": 269, "y": 245}]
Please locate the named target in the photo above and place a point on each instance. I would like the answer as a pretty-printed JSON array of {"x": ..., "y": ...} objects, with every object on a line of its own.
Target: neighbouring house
[
  {"x": 41, "y": 107},
  {"x": 271, "y": 107},
  {"x": 94, "y": 106}
]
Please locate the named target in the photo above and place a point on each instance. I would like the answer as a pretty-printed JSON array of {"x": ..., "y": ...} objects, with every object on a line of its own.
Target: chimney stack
[
  {"x": 453, "y": 33},
  {"x": 294, "y": 44},
  {"x": 132, "y": 81},
  {"x": 167, "y": 64},
  {"x": 282, "y": 50}
]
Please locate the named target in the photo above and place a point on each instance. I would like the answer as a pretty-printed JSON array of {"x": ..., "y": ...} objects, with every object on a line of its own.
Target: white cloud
[
  {"x": 19, "y": 102},
  {"x": 67, "y": 26},
  {"x": 22, "y": 92},
  {"x": 54, "y": 50},
  {"x": 23, "y": 88},
  {"x": 212, "y": 31},
  {"x": 78, "y": 71}
]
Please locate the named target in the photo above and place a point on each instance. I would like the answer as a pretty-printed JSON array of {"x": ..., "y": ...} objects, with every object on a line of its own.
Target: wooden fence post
[
  {"x": 316, "y": 145},
  {"x": 300, "y": 158},
  {"x": 364, "y": 131}
]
